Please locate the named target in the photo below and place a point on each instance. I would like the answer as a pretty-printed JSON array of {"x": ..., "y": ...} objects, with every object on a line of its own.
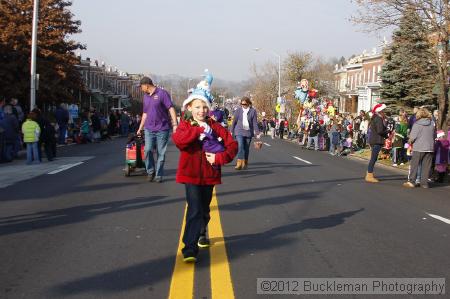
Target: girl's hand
[
  {"x": 211, "y": 158},
  {"x": 208, "y": 129}
]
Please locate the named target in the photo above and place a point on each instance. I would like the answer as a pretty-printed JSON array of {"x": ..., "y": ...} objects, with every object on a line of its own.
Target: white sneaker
[
  {"x": 395, "y": 165},
  {"x": 402, "y": 163}
]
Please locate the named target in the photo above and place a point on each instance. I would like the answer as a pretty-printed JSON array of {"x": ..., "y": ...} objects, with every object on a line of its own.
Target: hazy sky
[{"x": 186, "y": 36}]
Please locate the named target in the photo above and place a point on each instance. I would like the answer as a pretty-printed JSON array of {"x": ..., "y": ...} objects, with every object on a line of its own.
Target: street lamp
[
  {"x": 223, "y": 100},
  {"x": 189, "y": 84},
  {"x": 279, "y": 70},
  {"x": 33, "y": 55}
]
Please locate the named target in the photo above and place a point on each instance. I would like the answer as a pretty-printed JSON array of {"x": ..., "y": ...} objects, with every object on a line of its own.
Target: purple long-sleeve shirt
[{"x": 237, "y": 127}]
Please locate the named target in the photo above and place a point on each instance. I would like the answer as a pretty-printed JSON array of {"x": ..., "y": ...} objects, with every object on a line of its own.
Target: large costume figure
[{"x": 301, "y": 93}]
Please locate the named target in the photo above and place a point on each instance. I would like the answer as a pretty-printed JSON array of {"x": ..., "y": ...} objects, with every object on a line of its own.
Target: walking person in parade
[
  {"x": 378, "y": 134},
  {"x": 244, "y": 128},
  {"x": 158, "y": 118},
  {"x": 199, "y": 170}
]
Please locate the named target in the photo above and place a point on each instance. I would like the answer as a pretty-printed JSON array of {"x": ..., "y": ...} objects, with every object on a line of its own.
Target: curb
[
  {"x": 352, "y": 156},
  {"x": 355, "y": 157}
]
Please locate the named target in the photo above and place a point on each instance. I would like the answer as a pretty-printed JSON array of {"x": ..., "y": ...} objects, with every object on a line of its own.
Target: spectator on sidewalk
[
  {"x": 281, "y": 128},
  {"x": 2, "y": 104},
  {"x": 10, "y": 125},
  {"x": 47, "y": 138},
  {"x": 441, "y": 152},
  {"x": 41, "y": 122},
  {"x": 62, "y": 119},
  {"x": 158, "y": 118},
  {"x": 412, "y": 119},
  {"x": 124, "y": 124},
  {"x": 244, "y": 128},
  {"x": 313, "y": 134},
  {"x": 363, "y": 128},
  {"x": 422, "y": 140},
  {"x": 17, "y": 110},
  {"x": 96, "y": 126},
  {"x": 398, "y": 144},
  {"x": 31, "y": 133},
  {"x": 112, "y": 125},
  {"x": 335, "y": 138},
  {"x": 85, "y": 129},
  {"x": 378, "y": 135}
]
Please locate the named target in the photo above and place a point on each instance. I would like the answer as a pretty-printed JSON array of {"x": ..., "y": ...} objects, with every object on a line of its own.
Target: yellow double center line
[{"x": 182, "y": 284}]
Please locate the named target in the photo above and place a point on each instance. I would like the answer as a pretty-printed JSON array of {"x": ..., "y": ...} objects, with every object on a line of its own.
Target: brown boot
[
  {"x": 370, "y": 178},
  {"x": 244, "y": 164},
  {"x": 239, "y": 164}
]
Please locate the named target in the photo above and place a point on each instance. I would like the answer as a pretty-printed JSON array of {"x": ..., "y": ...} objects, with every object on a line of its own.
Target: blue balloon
[{"x": 301, "y": 95}]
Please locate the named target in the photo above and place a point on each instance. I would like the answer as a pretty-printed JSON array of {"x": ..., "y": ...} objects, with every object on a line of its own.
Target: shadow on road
[
  {"x": 146, "y": 274},
  {"x": 52, "y": 218},
  {"x": 269, "y": 201}
]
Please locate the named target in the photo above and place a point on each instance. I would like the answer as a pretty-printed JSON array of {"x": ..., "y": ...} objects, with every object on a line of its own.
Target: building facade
[
  {"x": 106, "y": 88},
  {"x": 359, "y": 82}
]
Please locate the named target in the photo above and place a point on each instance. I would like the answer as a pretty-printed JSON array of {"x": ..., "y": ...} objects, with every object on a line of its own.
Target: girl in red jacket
[{"x": 198, "y": 170}]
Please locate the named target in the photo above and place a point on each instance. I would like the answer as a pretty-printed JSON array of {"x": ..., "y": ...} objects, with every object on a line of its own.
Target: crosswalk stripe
[
  {"x": 65, "y": 167},
  {"x": 182, "y": 284},
  {"x": 221, "y": 283}
]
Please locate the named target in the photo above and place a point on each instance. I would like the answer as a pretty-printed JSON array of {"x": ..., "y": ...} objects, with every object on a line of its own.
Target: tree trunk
[
  {"x": 443, "y": 104},
  {"x": 444, "y": 111}
]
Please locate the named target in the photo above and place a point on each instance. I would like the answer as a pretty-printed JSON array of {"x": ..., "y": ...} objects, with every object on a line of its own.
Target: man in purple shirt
[{"x": 156, "y": 123}]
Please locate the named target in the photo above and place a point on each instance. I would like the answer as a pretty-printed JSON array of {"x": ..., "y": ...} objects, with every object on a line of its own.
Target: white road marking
[
  {"x": 300, "y": 159},
  {"x": 439, "y": 218},
  {"x": 65, "y": 167},
  {"x": 267, "y": 144}
]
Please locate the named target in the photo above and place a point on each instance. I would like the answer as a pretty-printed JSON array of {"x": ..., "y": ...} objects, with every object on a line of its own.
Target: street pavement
[{"x": 87, "y": 231}]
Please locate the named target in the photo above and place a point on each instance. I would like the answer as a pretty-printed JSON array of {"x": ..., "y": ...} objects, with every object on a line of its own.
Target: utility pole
[{"x": 33, "y": 54}]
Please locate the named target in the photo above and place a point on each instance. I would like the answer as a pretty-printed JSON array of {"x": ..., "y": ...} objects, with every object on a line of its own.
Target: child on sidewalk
[
  {"x": 31, "y": 132},
  {"x": 196, "y": 169},
  {"x": 441, "y": 150}
]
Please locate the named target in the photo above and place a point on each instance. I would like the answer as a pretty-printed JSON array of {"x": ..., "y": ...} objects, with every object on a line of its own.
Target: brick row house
[
  {"x": 358, "y": 82},
  {"x": 107, "y": 88}
]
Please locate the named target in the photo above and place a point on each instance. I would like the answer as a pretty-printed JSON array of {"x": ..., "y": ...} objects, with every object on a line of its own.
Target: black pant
[
  {"x": 426, "y": 159},
  {"x": 50, "y": 150},
  {"x": 197, "y": 216},
  {"x": 40, "y": 142}
]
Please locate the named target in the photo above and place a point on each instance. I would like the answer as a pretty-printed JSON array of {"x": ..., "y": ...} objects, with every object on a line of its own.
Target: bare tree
[
  {"x": 264, "y": 88},
  {"x": 380, "y": 14}
]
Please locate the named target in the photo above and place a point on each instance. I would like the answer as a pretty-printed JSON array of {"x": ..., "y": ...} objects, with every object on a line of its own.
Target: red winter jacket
[{"x": 193, "y": 168}]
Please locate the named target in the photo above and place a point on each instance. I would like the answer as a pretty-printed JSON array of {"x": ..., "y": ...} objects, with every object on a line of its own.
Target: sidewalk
[
  {"x": 18, "y": 170},
  {"x": 22, "y": 154}
]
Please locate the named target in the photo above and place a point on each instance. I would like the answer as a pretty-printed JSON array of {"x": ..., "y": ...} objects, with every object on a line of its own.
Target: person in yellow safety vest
[{"x": 31, "y": 132}]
